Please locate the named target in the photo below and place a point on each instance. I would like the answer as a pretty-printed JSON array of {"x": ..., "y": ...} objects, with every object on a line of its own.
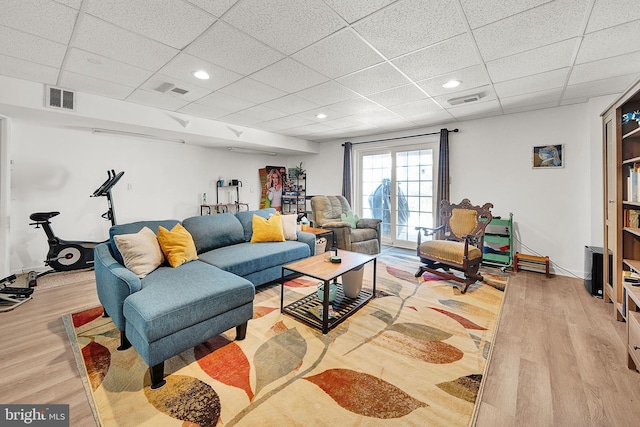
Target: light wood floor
[{"x": 559, "y": 357}]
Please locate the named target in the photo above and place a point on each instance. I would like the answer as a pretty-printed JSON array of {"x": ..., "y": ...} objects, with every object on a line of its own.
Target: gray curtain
[
  {"x": 346, "y": 172},
  {"x": 443, "y": 172}
]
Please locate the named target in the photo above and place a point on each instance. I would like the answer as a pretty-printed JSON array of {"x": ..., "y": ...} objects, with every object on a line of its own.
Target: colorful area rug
[{"x": 415, "y": 355}]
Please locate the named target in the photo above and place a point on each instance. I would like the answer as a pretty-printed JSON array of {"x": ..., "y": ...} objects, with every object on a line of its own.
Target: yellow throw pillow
[
  {"x": 177, "y": 245},
  {"x": 289, "y": 223},
  {"x": 140, "y": 251},
  {"x": 267, "y": 230}
]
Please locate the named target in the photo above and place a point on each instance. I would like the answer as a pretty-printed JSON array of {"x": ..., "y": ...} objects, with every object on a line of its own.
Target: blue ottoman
[{"x": 179, "y": 308}]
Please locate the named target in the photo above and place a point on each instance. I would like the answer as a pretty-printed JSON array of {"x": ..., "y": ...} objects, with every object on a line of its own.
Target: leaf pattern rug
[{"x": 415, "y": 356}]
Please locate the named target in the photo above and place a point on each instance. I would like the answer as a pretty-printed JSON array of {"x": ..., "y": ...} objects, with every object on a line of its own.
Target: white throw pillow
[
  {"x": 289, "y": 223},
  {"x": 140, "y": 251}
]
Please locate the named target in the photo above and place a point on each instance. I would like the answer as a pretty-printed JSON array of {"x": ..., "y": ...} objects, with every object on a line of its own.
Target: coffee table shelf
[
  {"x": 343, "y": 307},
  {"x": 318, "y": 267}
]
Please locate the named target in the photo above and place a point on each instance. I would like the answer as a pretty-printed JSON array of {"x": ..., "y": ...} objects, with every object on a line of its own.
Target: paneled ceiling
[{"x": 371, "y": 66}]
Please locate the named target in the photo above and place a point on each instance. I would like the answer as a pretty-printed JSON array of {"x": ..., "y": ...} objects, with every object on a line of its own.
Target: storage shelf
[
  {"x": 499, "y": 233},
  {"x": 633, "y": 134}
]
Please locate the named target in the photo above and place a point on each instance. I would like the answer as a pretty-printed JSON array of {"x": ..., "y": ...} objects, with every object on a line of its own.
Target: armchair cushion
[{"x": 448, "y": 250}]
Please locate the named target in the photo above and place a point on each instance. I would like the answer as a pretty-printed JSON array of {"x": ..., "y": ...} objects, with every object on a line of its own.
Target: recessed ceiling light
[
  {"x": 451, "y": 84},
  {"x": 321, "y": 116},
  {"x": 201, "y": 74}
]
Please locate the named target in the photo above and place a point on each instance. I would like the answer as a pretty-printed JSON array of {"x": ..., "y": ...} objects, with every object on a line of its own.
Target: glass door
[{"x": 396, "y": 186}]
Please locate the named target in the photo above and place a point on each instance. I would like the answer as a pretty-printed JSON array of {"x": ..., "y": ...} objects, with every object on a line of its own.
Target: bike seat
[{"x": 43, "y": 216}]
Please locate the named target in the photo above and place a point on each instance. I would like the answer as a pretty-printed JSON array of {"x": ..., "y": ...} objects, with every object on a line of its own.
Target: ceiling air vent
[
  {"x": 60, "y": 98},
  {"x": 464, "y": 99},
  {"x": 179, "y": 91},
  {"x": 170, "y": 87}
]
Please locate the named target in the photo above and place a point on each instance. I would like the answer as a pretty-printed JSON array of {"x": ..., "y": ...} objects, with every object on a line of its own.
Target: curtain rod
[{"x": 402, "y": 137}]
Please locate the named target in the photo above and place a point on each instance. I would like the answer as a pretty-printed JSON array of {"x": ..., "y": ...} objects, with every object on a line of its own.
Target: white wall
[
  {"x": 57, "y": 169},
  {"x": 556, "y": 211}
]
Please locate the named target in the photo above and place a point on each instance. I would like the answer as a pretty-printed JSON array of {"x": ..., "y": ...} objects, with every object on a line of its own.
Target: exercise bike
[{"x": 68, "y": 255}]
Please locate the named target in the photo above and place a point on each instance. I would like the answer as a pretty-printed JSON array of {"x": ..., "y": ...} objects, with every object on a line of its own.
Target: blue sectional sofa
[{"x": 173, "y": 309}]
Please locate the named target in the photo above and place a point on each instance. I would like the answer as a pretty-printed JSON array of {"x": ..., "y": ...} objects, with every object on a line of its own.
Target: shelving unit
[
  {"x": 621, "y": 149},
  {"x": 219, "y": 207},
  {"x": 498, "y": 242},
  {"x": 294, "y": 194}
]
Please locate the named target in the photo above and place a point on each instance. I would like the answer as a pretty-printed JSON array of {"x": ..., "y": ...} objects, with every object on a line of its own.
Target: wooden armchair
[{"x": 458, "y": 244}]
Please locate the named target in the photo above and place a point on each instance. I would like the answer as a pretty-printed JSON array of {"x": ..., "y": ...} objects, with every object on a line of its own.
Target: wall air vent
[
  {"x": 60, "y": 98},
  {"x": 465, "y": 99},
  {"x": 179, "y": 91}
]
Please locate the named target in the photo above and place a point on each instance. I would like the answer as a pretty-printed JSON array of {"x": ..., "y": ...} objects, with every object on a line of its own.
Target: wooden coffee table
[{"x": 318, "y": 267}]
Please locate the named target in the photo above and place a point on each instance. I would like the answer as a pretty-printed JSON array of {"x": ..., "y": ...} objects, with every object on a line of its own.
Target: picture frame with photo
[{"x": 547, "y": 156}]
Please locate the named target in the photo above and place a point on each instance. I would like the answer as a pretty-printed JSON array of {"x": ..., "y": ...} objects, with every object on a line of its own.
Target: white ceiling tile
[
  {"x": 194, "y": 92},
  {"x": 262, "y": 113},
  {"x": 31, "y": 48},
  {"x": 327, "y": 93},
  {"x": 15, "y": 67},
  {"x": 288, "y": 122},
  {"x": 183, "y": 66},
  {"x": 538, "y": 82},
  {"x": 374, "y": 79},
  {"x": 289, "y": 75},
  {"x": 71, "y": 3},
  {"x": 331, "y": 114},
  {"x": 547, "y": 58},
  {"x": 431, "y": 118},
  {"x": 475, "y": 110},
  {"x": 379, "y": 118},
  {"x": 225, "y": 102},
  {"x": 483, "y": 12},
  {"x": 46, "y": 19},
  {"x": 240, "y": 119},
  {"x": 284, "y": 25},
  {"x": 552, "y": 22},
  {"x": 396, "y": 96},
  {"x": 206, "y": 111},
  {"x": 89, "y": 64},
  {"x": 352, "y": 10},
  {"x": 312, "y": 128},
  {"x": 230, "y": 48},
  {"x": 607, "y": 43},
  {"x": 354, "y": 106},
  {"x": 525, "y": 108},
  {"x": 607, "y": 13},
  {"x": 251, "y": 90},
  {"x": 343, "y": 122},
  {"x": 88, "y": 84},
  {"x": 216, "y": 8},
  {"x": 608, "y": 86},
  {"x": 605, "y": 68},
  {"x": 291, "y": 104},
  {"x": 470, "y": 78},
  {"x": 341, "y": 53},
  {"x": 486, "y": 94},
  {"x": 105, "y": 39},
  {"x": 450, "y": 55},
  {"x": 543, "y": 97},
  {"x": 172, "y": 22},
  {"x": 415, "y": 107},
  {"x": 156, "y": 99},
  {"x": 410, "y": 25}
]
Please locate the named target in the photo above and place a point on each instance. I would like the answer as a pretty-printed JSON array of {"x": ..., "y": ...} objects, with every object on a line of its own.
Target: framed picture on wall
[{"x": 548, "y": 156}]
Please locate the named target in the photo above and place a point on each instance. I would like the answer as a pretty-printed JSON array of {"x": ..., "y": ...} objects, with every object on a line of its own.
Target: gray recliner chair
[{"x": 364, "y": 238}]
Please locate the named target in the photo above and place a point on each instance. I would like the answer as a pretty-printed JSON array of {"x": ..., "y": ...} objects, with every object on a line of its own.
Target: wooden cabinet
[
  {"x": 632, "y": 306},
  {"x": 621, "y": 156}
]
